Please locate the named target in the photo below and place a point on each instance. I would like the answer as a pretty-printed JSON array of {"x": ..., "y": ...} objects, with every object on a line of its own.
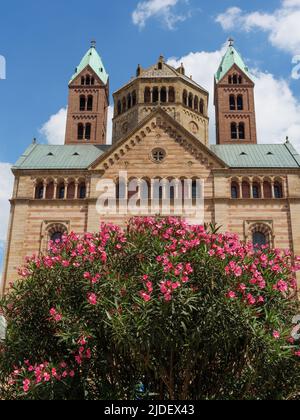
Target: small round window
[{"x": 159, "y": 155}]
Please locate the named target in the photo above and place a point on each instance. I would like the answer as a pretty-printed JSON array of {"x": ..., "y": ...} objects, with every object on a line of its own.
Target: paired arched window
[
  {"x": 246, "y": 190},
  {"x": 237, "y": 131},
  {"x": 61, "y": 191},
  {"x": 236, "y": 103},
  {"x": 86, "y": 104},
  {"x": 84, "y": 131},
  {"x": 235, "y": 79}
]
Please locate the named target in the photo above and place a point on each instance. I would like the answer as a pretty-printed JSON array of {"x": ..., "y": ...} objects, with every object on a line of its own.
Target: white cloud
[
  {"x": 162, "y": 9},
  {"x": 282, "y": 25},
  {"x": 277, "y": 109},
  {"x": 6, "y": 187},
  {"x": 55, "y": 128}
]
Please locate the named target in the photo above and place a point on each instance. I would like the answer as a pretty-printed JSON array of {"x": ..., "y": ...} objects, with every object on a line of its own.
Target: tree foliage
[{"x": 188, "y": 313}]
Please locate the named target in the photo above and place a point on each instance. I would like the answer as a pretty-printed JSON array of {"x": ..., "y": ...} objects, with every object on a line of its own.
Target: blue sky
[{"x": 43, "y": 42}]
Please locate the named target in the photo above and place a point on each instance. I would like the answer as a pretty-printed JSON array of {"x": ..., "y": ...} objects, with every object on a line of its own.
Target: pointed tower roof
[
  {"x": 92, "y": 59},
  {"x": 231, "y": 58}
]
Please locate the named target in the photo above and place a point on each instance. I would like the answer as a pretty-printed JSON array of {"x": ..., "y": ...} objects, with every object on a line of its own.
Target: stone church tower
[
  {"x": 88, "y": 101},
  {"x": 165, "y": 87},
  {"x": 234, "y": 101}
]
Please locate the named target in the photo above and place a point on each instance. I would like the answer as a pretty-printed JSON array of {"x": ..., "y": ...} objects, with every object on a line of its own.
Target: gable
[
  {"x": 235, "y": 69},
  {"x": 86, "y": 71},
  {"x": 183, "y": 151}
]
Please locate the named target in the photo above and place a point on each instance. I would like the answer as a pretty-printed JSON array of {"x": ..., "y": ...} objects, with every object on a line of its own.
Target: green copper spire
[
  {"x": 230, "y": 58},
  {"x": 92, "y": 59}
]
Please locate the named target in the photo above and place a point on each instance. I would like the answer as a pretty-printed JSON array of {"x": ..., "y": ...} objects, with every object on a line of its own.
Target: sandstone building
[{"x": 160, "y": 132}]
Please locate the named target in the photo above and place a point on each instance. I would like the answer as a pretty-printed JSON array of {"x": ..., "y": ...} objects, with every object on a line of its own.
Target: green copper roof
[
  {"x": 40, "y": 156},
  {"x": 258, "y": 155},
  {"x": 230, "y": 58},
  {"x": 92, "y": 59}
]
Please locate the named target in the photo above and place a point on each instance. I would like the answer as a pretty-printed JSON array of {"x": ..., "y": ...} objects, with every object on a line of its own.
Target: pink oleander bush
[{"x": 187, "y": 312}]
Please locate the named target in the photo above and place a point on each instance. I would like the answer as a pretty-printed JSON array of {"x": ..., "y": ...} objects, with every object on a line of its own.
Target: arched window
[
  {"x": 171, "y": 94},
  {"x": 134, "y": 98},
  {"x": 82, "y": 103},
  {"x": 246, "y": 189},
  {"x": 259, "y": 239},
  {"x": 92, "y": 81},
  {"x": 124, "y": 105},
  {"x": 147, "y": 95},
  {"x": 50, "y": 191},
  {"x": 241, "y": 131},
  {"x": 163, "y": 95},
  {"x": 39, "y": 191},
  {"x": 267, "y": 189},
  {"x": 240, "y": 103},
  {"x": 80, "y": 131},
  {"x": 232, "y": 102},
  {"x": 146, "y": 190},
  {"x": 191, "y": 98},
  {"x": 90, "y": 103},
  {"x": 119, "y": 106},
  {"x": 88, "y": 80},
  {"x": 185, "y": 98},
  {"x": 82, "y": 80},
  {"x": 129, "y": 101},
  {"x": 240, "y": 80},
  {"x": 202, "y": 107},
  {"x": 230, "y": 80},
  {"x": 234, "y": 134},
  {"x": 88, "y": 131},
  {"x": 278, "y": 193},
  {"x": 256, "y": 190},
  {"x": 82, "y": 191},
  {"x": 71, "y": 191},
  {"x": 160, "y": 66},
  {"x": 234, "y": 79},
  {"x": 61, "y": 191},
  {"x": 155, "y": 95},
  {"x": 235, "y": 191},
  {"x": 196, "y": 103}
]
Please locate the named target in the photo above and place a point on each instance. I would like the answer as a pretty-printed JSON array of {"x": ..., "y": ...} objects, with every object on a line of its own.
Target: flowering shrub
[{"x": 189, "y": 313}]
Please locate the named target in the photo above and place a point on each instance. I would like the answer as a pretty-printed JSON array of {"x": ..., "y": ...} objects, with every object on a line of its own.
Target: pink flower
[
  {"x": 145, "y": 277},
  {"x": 72, "y": 374},
  {"x": 242, "y": 287},
  {"x": 58, "y": 318},
  {"x": 88, "y": 354},
  {"x": 52, "y": 312},
  {"x": 87, "y": 275},
  {"x": 238, "y": 272},
  {"x": 92, "y": 298},
  {"x": 65, "y": 374},
  {"x": 231, "y": 295},
  {"x": 26, "y": 385},
  {"x": 145, "y": 296},
  {"x": 78, "y": 360},
  {"x": 276, "y": 335},
  {"x": 251, "y": 299},
  {"x": 47, "y": 377},
  {"x": 282, "y": 286},
  {"x": 297, "y": 353},
  {"x": 65, "y": 264}
]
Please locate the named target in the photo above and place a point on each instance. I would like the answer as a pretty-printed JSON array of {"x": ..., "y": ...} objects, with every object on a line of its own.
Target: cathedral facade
[{"x": 160, "y": 133}]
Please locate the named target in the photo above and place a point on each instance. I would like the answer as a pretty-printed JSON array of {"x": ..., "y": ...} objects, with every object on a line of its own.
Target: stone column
[
  {"x": 55, "y": 190},
  {"x": 241, "y": 189},
  {"x": 66, "y": 189},
  {"x": 167, "y": 95},
  {"x": 251, "y": 188},
  {"x": 151, "y": 95},
  {"x": 76, "y": 189},
  {"x": 45, "y": 189},
  {"x": 273, "y": 188}
]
